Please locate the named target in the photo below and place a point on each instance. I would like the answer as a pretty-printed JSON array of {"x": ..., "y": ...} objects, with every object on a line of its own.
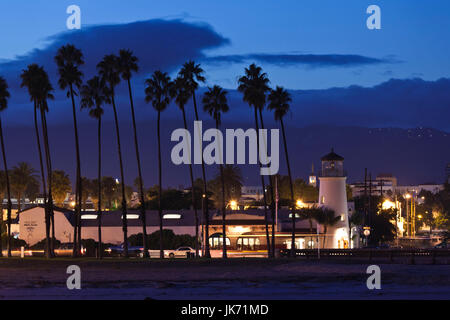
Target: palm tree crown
[
  {"x": 127, "y": 63},
  {"x": 158, "y": 90},
  {"x": 254, "y": 86},
  {"x": 215, "y": 102},
  {"x": 4, "y": 94},
  {"x": 108, "y": 69},
  {"x": 93, "y": 95},
  {"x": 68, "y": 60},
  {"x": 35, "y": 78},
  {"x": 192, "y": 73},
  {"x": 180, "y": 91},
  {"x": 279, "y": 100}
]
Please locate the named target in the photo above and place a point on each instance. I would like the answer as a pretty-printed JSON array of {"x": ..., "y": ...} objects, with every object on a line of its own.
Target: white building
[{"x": 333, "y": 195}]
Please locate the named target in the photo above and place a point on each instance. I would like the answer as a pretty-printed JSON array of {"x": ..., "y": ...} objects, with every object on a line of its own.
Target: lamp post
[
  {"x": 367, "y": 234},
  {"x": 408, "y": 226}
]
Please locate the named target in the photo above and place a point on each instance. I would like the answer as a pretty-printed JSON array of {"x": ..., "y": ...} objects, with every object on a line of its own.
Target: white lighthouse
[{"x": 333, "y": 195}]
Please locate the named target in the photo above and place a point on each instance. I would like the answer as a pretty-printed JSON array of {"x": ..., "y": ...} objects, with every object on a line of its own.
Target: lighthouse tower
[{"x": 333, "y": 195}]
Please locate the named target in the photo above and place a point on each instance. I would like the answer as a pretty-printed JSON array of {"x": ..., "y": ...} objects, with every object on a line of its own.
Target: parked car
[
  {"x": 181, "y": 252},
  {"x": 117, "y": 251}
]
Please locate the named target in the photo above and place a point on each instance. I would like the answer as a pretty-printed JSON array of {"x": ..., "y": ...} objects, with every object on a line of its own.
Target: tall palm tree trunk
[
  {"x": 78, "y": 186},
  {"x": 141, "y": 187},
  {"x": 99, "y": 212},
  {"x": 49, "y": 179},
  {"x": 272, "y": 199},
  {"x": 291, "y": 188},
  {"x": 44, "y": 187},
  {"x": 262, "y": 183},
  {"x": 8, "y": 191},
  {"x": 224, "y": 234},
  {"x": 205, "y": 193},
  {"x": 52, "y": 213},
  {"x": 124, "y": 200},
  {"x": 194, "y": 205},
  {"x": 161, "y": 248}
]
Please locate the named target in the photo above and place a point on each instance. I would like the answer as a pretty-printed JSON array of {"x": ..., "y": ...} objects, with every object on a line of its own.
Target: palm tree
[
  {"x": 181, "y": 93},
  {"x": 215, "y": 103},
  {"x": 327, "y": 218},
  {"x": 279, "y": 103},
  {"x": 233, "y": 183},
  {"x": 192, "y": 73},
  {"x": 157, "y": 91},
  {"x": 109, "y": 71},
  {"x": 22, "y": 176},
  {"x": 61, "y": 186},
  {"x": 4, "y": 96},
  {"x": 254, "y": 85},
  {"x": 128, "y": 65},
  {"x": 39, "y": 88},
  {"x": 272, "y": 198},
  {"x": 93, "y": 95},
  {"x": 68, "y": 60}
]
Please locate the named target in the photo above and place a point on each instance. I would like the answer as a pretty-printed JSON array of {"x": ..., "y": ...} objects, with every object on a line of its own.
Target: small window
[
  {"x": 170, "y": 216},
  {"x": 322, "y": 200}
]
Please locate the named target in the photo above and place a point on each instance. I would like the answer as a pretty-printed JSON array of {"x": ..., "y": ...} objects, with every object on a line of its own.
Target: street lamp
[{"x": 366, "y": 233}]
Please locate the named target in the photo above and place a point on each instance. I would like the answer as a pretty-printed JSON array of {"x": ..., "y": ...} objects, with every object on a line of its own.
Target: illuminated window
[
  {"x": 172, "y": 216},
  {"x": 248, "y": 243},
  {"x": 322, "y": 200},
  {"x": 216, "y": 241}
]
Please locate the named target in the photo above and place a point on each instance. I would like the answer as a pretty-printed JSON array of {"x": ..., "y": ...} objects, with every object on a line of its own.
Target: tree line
[{"x": 95, "y": 93}]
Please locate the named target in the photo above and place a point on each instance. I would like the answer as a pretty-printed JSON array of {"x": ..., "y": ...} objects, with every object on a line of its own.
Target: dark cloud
[
  {"x": 159, "y": 44},
  {"x": 311, "y": 60},
  {"x": 402, "y": 103}
]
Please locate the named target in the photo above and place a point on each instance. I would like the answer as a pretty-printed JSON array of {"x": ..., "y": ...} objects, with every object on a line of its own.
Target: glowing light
[
  {"x": 72, "y": 204},
  {"x": 419, "y": 216},
  {"x": 239, "y": 229},
  {"x": 172, "y": 216},
  {"x": 300, "y": 204},
  {"x": 233, "y": 205},
  {"x": 407, "y": 196},
  {"x": 387, "y": 204}
]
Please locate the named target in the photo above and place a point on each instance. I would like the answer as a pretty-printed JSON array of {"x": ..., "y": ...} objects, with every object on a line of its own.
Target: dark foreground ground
[{"x": 34, "y": 278}]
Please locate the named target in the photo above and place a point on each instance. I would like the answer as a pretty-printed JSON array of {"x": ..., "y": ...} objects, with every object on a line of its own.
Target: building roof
[
  {"x": 332, "y": 156},
  {"x": 172, "y": 218}
]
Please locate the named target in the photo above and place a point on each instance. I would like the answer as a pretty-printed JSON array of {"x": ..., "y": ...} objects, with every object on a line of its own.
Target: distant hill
[{"x": 412, "y": 155}]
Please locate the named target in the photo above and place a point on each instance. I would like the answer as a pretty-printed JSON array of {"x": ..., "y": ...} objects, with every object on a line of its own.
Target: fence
[{"x": 432, "y": 256}]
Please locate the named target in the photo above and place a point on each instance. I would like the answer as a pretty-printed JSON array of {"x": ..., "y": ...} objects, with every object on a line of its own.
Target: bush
[
  {"x": 41, "y": 244},
  {"x": 15, "y": 243}
]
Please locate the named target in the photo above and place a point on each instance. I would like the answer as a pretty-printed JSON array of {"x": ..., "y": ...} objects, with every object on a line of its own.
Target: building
[
  {"x": 333, "y": 195},
  {"x": 251, "y": 193},
  {"x": 31, "y": 224},
  {"x": 245, "y": 228}
]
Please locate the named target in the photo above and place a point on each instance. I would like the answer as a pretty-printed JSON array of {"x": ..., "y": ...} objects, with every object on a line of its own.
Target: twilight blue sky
[{"x": 413, "y": 34}]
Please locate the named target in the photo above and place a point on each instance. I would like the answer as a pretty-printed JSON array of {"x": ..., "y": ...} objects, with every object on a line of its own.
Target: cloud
[
  {"x": 159, "y": 44},
  {"x": 311, "y": 60},
  {"x": 398, "y": 103}
]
